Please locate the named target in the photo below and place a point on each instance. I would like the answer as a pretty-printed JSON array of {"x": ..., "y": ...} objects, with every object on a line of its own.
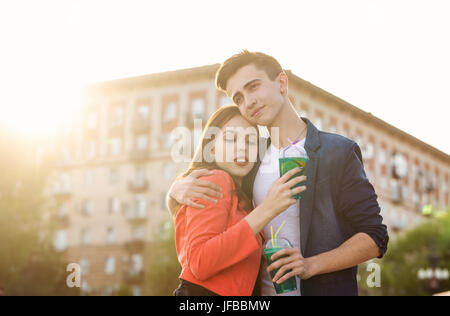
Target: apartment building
[{"x": 116, "y": 167}]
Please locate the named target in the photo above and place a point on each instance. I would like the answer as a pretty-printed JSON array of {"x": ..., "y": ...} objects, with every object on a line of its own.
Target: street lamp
[{"x": 433, "y": 274}]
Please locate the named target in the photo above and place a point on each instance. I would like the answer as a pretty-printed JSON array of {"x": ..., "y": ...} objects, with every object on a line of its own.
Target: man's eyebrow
[{"x": 245, "y": 86}]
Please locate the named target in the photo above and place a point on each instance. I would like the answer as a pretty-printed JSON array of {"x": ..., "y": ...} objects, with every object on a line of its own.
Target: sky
[{"x": 389, "y": 58}]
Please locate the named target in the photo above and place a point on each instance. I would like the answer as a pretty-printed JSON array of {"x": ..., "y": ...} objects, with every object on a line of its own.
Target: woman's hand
[
  {"x": 183, "y": 191},
  {"x": 280, "y": 195}
]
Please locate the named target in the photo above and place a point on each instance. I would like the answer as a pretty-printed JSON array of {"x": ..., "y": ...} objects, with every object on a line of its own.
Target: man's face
[{"x": 259, "y": 99}]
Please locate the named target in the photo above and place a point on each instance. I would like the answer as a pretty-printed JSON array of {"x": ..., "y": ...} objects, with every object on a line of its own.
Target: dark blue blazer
[{"x": 339, "y": 202}]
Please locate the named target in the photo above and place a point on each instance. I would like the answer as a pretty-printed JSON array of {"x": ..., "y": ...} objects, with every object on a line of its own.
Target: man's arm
[
  {"x": 356, "y": 250},
  {"x": 184, "y": 190},
  {"x": 357, "y": 203}
]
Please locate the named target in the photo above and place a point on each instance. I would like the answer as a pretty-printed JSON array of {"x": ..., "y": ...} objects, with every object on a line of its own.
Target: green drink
[
  {"x": 270, "y": 248},
  {"x": 289, "y": 163}
]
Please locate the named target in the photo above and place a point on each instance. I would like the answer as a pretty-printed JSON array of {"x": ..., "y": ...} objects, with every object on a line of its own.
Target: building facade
[{"x": 116, "y": 167}]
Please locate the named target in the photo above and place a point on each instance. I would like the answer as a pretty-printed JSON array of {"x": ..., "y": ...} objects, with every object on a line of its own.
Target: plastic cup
[
  {"x": 269, "y": 249},
  {"x": 289, "y": 163}
]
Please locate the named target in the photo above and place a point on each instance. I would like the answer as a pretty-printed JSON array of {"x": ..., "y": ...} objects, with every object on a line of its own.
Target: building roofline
[{"x": 206, "y": 72}]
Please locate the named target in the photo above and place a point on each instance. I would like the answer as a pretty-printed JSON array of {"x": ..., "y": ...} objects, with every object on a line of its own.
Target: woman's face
[{"x": 236, "y": 147}]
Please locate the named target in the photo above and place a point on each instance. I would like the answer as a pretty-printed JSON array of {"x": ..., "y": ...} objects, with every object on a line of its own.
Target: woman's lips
[
  {"x": 242, "y": 162},
  {"x": 258, "y": 111}
]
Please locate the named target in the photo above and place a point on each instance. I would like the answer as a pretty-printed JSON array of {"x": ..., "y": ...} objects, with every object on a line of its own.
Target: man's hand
[
  {"x": 183, "y": 191},
  {"x": 292, "y": 260}
]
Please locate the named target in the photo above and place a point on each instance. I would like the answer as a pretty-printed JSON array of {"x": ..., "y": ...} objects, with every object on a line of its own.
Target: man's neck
[{"x": 289, "y": 125}]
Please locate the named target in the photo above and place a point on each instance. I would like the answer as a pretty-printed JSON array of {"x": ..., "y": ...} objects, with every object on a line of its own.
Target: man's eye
[{"x": 253, "y": 86}]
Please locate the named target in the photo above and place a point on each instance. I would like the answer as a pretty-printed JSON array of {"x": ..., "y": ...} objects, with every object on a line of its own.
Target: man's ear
[{"x": 283, "y": 82}]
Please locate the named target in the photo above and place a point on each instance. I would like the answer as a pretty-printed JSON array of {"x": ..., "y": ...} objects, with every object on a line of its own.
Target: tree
[
  {"x": 29, "y": 264},
  {"x": 411, "y": 252},
  {"x": 163, "y": 268}
]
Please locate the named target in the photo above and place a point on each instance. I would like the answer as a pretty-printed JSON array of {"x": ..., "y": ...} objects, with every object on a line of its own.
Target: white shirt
[{"x": 268, "y": 172}]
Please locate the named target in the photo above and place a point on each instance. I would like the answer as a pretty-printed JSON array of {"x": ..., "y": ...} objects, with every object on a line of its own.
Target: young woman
[{"x": 219, "y": 247}]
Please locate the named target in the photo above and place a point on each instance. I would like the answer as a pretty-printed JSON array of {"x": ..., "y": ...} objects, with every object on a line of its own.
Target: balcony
[
  {"x": 135, "y": 246},
  {"x": 116, "y": 129},
  {"x": 396, "y": 193},
  {"x": 138, "y": 185},
  {"x": 139, "y": 155},
  {"x": 136, "y": 216},
  {"x": 134, "y": 277},
  {"x": 62, "y": 192},
  {"x": 141, "y": 124},
  {"x": 63, "y": 221}
]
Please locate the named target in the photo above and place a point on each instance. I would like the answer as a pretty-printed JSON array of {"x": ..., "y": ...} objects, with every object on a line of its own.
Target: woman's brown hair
[{"x": 218, "y": 119}]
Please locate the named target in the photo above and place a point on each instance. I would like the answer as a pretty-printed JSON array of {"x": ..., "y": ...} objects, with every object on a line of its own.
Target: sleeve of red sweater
[{"x": 211, "y": 246}]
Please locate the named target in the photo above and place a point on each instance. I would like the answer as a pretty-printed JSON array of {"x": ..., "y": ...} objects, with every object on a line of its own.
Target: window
[
  {"x": 382, "y": 156},
  {"x": 141, "y": 206},
  {"x": 170, "y": 112},
  {"x": 224, "y": 100},
  {"x": 169, "y": 171},
  {"x": 84, "y": 266},
  {"x": 65, "y": 182},
  {"x": 368, "y": 151},
  {"x": 168, "y": 140},
  {"x": 87, "y": 207},
  {"x": 400, "y": 166},
  {"x": 85, "y": 237},
  {"x": 60, "y": 242},
  {"x": 114, "y": 176},
  {"x": 110, "y": 266},
  {"x": 92, "y": 120},
  {"x": 198, "y": 108},
  {"x": 110, "y": 236},
  {"x": 63, "y": 210},
  {"x": 143, "y": 112},
  {"x": 117, "y": 116},
  {"x": 318, "y": 123},
  {"x": 115, "y": 146},
  {"x": 91, "y": 149},
  {"x": 141, "y": 142},
  {"x": 114, "y": 205},
  {"x": 89, "y": 178},
  {"x": 136, "y": 264},
  {"x": 136, "y": 290},
  {"x": 139, "y": 233}
]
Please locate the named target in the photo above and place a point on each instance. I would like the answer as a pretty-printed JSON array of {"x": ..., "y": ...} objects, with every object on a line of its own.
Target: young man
[{"x": 336, "y": 225}]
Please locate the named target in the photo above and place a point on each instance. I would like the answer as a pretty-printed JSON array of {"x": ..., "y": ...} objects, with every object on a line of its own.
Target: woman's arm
[{"x": 211, "y": 246}]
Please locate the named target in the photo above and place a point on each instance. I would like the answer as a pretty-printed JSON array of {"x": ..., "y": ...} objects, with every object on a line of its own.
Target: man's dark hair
[{"x": 260, "y": 60}]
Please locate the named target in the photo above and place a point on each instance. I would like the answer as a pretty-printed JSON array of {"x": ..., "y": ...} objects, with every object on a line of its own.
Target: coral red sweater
[{"x": 215, "y": 245}]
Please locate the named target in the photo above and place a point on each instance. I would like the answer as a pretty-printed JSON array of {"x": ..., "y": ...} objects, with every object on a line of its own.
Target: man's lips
[{"x": 257, "y": 111}]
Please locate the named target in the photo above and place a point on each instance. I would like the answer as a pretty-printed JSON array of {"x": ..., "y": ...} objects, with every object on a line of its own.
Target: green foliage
[
  {"x": 410, "y": 252},
  {"x": 28, "y": 263},
  {"x": 163, "y": 269}
]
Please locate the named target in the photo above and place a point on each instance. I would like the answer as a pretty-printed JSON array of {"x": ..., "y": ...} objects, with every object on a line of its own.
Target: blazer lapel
[{"x": 312, "y": 144}]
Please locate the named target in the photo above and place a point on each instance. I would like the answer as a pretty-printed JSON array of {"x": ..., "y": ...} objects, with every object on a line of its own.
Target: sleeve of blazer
[{"x": 358, "y": 201}]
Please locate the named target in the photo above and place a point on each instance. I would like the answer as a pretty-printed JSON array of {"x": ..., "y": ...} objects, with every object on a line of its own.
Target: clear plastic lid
[
  {"x": 277, "y": 243},
  {"x": 294, "y": 150}
]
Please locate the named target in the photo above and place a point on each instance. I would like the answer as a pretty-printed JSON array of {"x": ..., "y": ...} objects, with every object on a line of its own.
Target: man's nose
[{"x": 250, "y": 102}]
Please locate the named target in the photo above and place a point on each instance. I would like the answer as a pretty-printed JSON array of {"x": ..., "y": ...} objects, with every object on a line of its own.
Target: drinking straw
[
  {"x": 292, "y": 144},
  {"x": 279, "y": 228},
  {"x": 271, "y": 234}
]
